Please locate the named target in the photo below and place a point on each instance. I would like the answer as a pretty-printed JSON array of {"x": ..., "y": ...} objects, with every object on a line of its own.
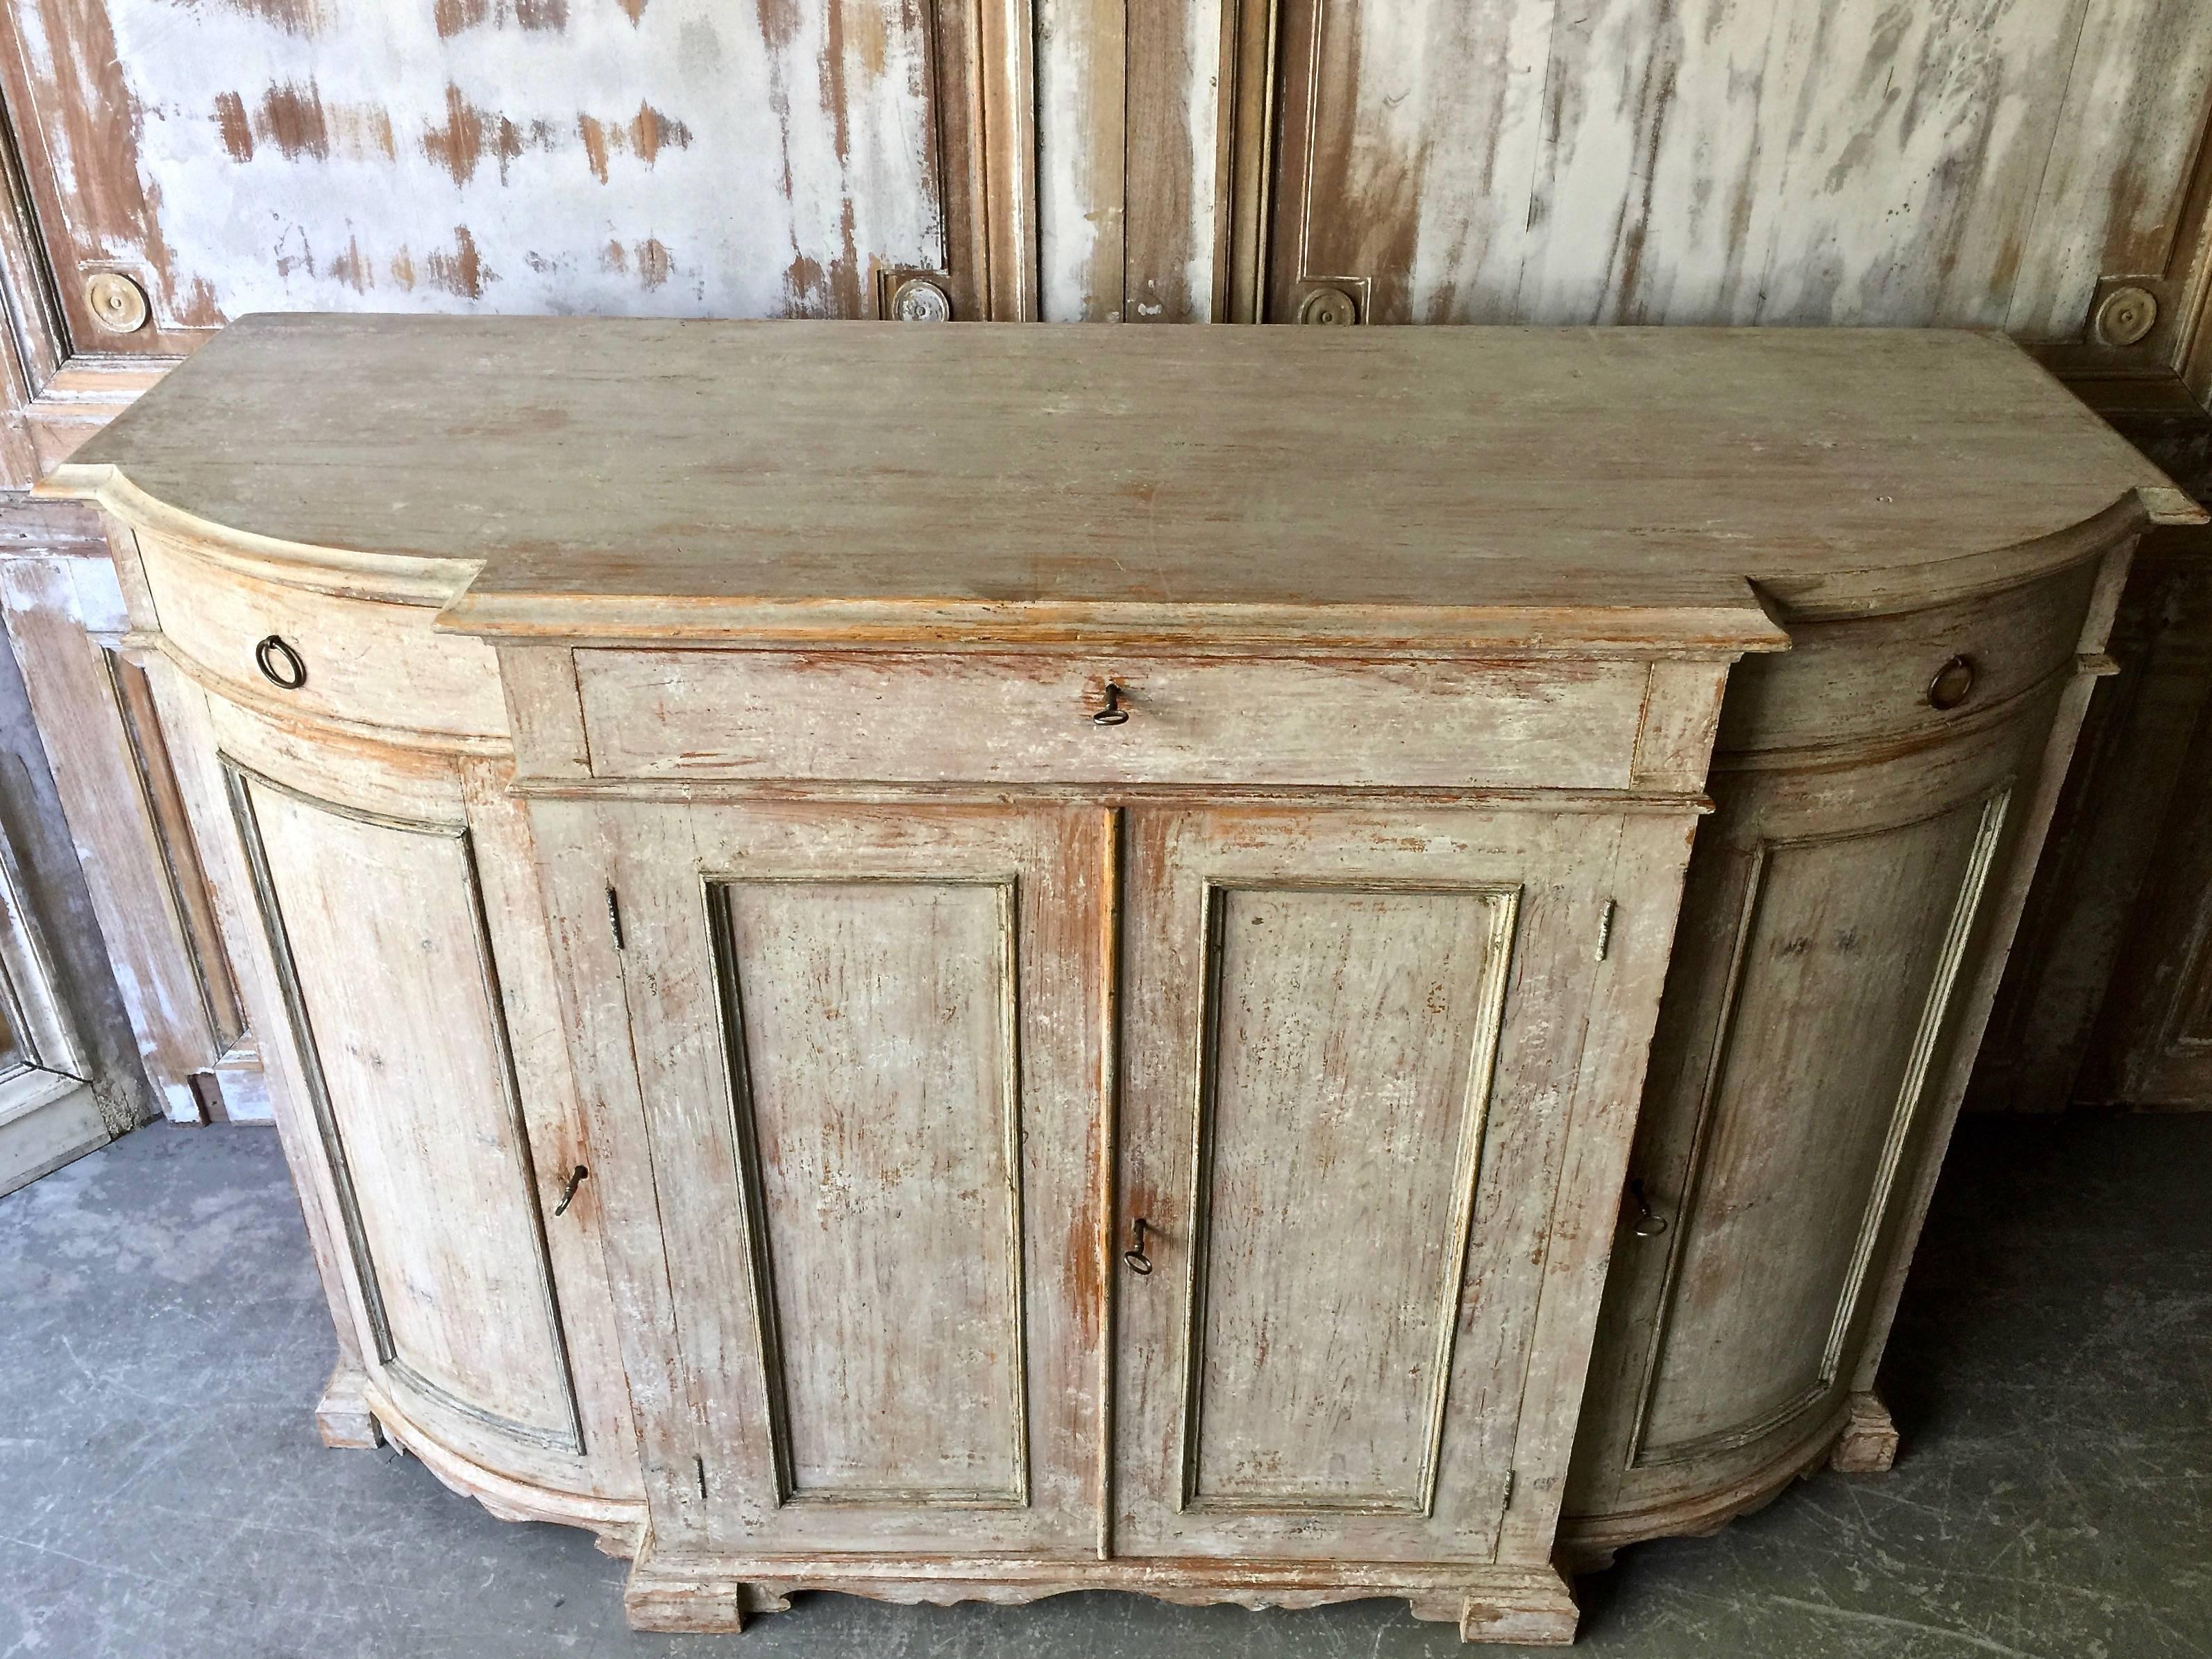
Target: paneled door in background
[
  {"x": 49, "y": 1111},
  {"x": 2005, "y": 165},
  {"x": 676, "y": 158}
]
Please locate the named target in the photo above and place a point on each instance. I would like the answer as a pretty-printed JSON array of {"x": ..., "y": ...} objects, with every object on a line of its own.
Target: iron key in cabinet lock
[
  {"x": 1115, "y": 713},
  {"x": 577, "y": 1178},
  {"x": 1134, "y": 1257}
]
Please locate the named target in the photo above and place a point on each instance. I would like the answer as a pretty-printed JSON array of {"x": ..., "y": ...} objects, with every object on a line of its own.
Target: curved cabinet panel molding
[
  {"x": 393, "y": 1005},
  {"x": 1841, "y": 939}
]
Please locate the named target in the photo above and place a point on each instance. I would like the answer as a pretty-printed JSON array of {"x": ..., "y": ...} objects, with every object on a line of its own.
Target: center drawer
[{"x": 892, "y": 717}]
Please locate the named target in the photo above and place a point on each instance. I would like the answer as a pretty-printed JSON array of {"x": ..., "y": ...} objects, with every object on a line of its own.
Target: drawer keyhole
[
  {"x": 1113, "y": 713},
  {"x": 280, "y": 664}
]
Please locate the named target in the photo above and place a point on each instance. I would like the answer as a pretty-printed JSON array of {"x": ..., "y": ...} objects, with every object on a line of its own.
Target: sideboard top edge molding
[
  {"x": 1028, "y": 484},
  {"x": 397, "y": 577},
  {"x": 1638, "y": 625}
]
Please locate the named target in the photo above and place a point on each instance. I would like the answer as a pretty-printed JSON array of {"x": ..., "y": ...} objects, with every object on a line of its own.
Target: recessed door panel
[
  {"x": 376, "y": 928},
  {"x": 879, "y": 1119},
  {"x": 1352, "y": 1043},
  {"x": 1351, "y": 1036},
  {"x": 1848, "y": 950}
]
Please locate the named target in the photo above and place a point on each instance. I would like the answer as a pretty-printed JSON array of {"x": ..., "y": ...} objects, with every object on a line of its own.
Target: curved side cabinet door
[
  {"x": 376, "y": 926},
  {"x": 1847, "y": 949}
]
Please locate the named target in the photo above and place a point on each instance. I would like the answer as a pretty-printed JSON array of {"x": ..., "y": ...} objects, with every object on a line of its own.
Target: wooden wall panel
[
  {"x": 2154, "y": 1045},
  {"x": 1971, "y": 161},
  {"x": 2113, "y": 196},
  {"x": 1081, "y": 56},
  {"x": 666, "y": 157},
  {"x": 1810, "y": 161}
]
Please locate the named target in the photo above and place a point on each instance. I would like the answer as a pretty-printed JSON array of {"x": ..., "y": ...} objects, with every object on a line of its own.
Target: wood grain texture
[
  {"x": 516, "y": 928},
  {"x": 1360, "y": 1027},
  {"x": 1081, "y": 73},
  {"x": 1840, "y": 936},
  {"x": 1201, "y": 1333},
  {"x": 669, "y": 1590},
  {"x": 873, "y": 1029},
  {"x": 1868, "y": 1444},
  {"x": 1978, "y": 164},
  {"x": 920, "y": 719},
  {"x": 1869, "y": 682},
  {"x": 1051, "y": 479},
  {"x": 676, "y": 159},
  {"x": 438, "y": 1208},
  {"x": 1969, "y": 164},
  {"x": 132, "y": 839},
  {"x": 343, "y": 1414},
  {"x": 1173, "y": 58},
  {"x": 779, "y": 1198},
  {"x": 372, "y": 663}
]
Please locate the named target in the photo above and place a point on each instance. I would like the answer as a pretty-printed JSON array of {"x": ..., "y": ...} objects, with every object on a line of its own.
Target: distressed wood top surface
[{"x": 620, "y": 478}]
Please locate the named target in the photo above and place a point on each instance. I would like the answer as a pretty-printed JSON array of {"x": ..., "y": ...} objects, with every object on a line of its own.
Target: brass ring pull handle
[
  {"x": 1113, "y": 713},
  {"x": 1650, "y": 1224},
  {"x": 269, "y": 652},
  {"x": 1137, "y": 1261},
  {"x": 1952, "y": 685},
  {"x": 577, "y": 1178}
]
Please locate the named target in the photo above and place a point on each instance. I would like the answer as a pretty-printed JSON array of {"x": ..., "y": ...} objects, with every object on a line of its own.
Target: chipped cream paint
[
  {"x": 1074, "y": 212},
  {"x": 1974, "y": 162},
  {"x": 1203, "y": 47},
  {"x": 389, "y": 166}
]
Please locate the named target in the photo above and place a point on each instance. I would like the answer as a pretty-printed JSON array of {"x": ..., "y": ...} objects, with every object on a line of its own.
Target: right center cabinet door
[{"x": 1354, "y": 1044}]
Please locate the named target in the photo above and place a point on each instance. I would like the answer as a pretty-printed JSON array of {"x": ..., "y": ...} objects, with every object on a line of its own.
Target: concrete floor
[{"x": 162, "y": 1491}]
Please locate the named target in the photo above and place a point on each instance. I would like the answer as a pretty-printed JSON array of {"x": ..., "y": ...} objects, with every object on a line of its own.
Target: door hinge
[
  {"x": 1506, "y": 1498},
  {"x": 614, "y": 917},
  {"x": 700, "y": 1463},
  {"x": 1604, "y": 928}
]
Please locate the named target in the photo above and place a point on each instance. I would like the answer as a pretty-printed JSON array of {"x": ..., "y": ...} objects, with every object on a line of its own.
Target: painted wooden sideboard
[{"x": 1269, "y": 966}]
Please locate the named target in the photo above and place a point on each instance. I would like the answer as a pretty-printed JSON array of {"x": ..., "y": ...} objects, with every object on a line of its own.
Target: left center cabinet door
[{"x": 846, "y": 1066}]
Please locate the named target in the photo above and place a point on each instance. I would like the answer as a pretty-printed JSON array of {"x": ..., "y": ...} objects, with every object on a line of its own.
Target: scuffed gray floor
[{"x": 162, "y": 1491}]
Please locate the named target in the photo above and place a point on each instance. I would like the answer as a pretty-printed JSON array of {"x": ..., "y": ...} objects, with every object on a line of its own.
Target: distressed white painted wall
[
  {"x": 1963, "y": 162},
  {"x": 683, "y": 162},
  {"x": 1078, "y": 97},
  {"x": 1967, "y": 163}
]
